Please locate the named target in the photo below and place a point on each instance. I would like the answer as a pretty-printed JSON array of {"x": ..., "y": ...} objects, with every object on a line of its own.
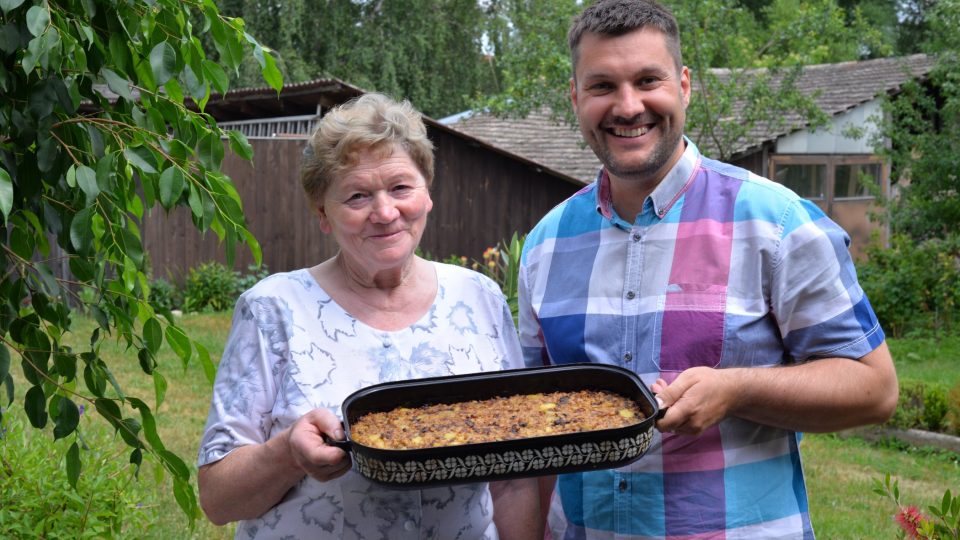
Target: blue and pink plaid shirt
[{"x": 722, "y": 268}]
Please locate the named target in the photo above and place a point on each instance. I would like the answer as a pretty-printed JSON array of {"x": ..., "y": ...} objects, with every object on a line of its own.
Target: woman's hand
[{"x": 321, "y": 461}]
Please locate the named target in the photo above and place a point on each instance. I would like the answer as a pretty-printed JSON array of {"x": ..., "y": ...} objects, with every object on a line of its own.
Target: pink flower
[{"x": 910, "y": 519}]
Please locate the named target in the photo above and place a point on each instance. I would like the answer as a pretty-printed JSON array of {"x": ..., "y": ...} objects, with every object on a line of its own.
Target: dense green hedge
[
  {"x": 928, "y": 407},
  {"x": 914, "y": 287}
]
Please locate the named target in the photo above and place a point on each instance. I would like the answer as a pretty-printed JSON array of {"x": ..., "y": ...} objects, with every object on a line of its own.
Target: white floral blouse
[{"x": 292, "y": 349}]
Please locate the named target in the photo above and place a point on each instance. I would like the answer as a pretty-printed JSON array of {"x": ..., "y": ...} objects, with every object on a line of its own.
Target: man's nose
[{"x": 629, "y": 102}]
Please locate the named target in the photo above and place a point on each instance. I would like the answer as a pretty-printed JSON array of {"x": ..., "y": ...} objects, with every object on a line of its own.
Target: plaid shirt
[{"x": 721, "y": 268}]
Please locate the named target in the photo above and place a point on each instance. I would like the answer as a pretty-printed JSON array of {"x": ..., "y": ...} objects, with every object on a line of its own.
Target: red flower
[{"x": 910, "y": 519}]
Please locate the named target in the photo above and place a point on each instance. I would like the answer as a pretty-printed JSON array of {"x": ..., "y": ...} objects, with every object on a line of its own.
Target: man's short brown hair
[{"x": 614, "y": 18}]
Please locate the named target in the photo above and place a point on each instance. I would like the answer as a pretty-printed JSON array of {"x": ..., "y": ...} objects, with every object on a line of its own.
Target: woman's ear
[{"x": 324, "y": 220}]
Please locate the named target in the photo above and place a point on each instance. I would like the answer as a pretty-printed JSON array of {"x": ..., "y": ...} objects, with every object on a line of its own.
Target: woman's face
[{"x": 377, "y": 210}]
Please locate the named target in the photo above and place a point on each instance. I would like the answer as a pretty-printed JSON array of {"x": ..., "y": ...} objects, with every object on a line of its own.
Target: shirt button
[
  {"x": 627, "y": 357},
  {"x": 623, "y": 484},
  {"x": 636, "y": 237},
  {"x": 631, "y": 295},
  {"x": 409, "y": 525}
]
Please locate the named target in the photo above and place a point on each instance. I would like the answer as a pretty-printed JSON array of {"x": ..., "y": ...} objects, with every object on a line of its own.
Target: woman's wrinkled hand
[{"x": 309, "y": 451}]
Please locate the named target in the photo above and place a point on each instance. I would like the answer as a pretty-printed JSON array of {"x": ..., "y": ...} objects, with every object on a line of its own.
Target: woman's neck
[{"x": 387, "y": 300}]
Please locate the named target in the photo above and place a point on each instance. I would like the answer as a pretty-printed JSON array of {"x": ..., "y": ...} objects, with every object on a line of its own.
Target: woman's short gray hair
[{"x": 371, "y": 122}]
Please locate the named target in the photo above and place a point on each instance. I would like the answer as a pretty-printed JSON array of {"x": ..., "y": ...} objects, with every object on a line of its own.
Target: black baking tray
[{"x": 501, "y": 460}]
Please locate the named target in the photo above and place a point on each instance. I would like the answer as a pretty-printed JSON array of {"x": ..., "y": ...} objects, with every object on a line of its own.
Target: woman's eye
[{"x": 355, "y": 197}]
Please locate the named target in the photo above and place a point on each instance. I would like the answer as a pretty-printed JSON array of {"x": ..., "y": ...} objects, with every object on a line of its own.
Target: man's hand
[{"x": 698, "y": 399}]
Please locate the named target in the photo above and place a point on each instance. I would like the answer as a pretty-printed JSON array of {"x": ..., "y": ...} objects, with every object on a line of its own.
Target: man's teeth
[{"x": 636, "y": 132}]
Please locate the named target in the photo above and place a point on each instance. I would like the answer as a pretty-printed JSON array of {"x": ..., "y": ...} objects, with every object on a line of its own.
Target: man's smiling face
[{"x": 631, "y": 102}]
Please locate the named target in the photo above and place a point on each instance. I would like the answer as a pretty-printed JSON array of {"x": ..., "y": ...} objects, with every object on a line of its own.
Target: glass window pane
[
  {"x": 859, "y": 180},
  {"x": 807, "y": 180}
]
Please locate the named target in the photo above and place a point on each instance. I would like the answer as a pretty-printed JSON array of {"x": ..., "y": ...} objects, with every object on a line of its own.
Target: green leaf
[
  {"x": 239, "y": 144},
  {"x": 73, "y": 464},
  {"x": 34, "y": 403},
  {"x": 171, "y": 186},
  {"x": 9, "y": 5},
  {"x": 210, "y": 150},
  {"x": 87, "y": 180},
  {"x": 216, "y": 76},
  {"x": 81, "y": 230},
  {"x": 159, "y": 388},
  {"x": 37, "y": 20},
  {"x": 174, "y": 464},
  {"x": 141, "y": 158},
  {"x": 6, "y": 194},
  {"x": 153, "y": 334},
  {"x": 68, "y": 416},
  {"x": 149, "y": 424},
  {"x": 209, "y": 370},
  {"x": 163, "y": 62},
  {"x": 129, "y": 430},
  {"x": 186, "y": 499},
  {"x": 109, "y": 410},
  {"x": 4, "y": 362},
  {"x": 119, "y": 85},
  {"x": 269, "y": 70},
  {"x": 147, "y": 361},
  {"x": 196, "y": 205},
  {"x": 179, "y": 342}
]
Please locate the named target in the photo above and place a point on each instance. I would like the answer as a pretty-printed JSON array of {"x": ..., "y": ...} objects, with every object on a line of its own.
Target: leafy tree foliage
[
  {"x": 923, "y": 127},
  {"x": 428, "y": 51},
  {"x": 94, "y": 132},
  {"x": 529, "y": 42}
]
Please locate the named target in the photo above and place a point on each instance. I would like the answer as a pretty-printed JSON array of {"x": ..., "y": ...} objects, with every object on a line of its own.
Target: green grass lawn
[{"x": 840, "y": 472}]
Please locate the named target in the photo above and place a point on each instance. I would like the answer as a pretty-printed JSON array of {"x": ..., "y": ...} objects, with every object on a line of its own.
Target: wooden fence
[{"x": 480, "y": 197}]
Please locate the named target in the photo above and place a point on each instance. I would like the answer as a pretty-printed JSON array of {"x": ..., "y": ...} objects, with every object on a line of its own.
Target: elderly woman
[{"x": 375, "y": 312}]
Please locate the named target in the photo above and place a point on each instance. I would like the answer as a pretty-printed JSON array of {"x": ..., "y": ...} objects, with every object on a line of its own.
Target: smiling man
[{"x": 733, "y": 298}]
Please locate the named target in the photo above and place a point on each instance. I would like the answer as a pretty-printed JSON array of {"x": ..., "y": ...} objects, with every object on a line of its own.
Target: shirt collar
[{"x": 665, "y": 194}]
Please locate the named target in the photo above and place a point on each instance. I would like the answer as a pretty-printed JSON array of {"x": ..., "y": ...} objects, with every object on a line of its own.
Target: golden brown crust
[{"x": 495, "y": 419}]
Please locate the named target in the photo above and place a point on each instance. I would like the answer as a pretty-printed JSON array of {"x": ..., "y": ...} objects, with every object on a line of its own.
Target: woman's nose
[{"x": 384, "y": 209}]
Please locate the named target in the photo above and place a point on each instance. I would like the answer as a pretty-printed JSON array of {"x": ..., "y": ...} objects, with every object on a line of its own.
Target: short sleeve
[
  {"x": 819, "y": 305},
  {"x": 244, "y": 391}
]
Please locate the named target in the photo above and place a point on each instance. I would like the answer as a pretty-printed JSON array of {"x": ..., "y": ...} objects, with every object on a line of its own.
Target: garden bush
[
  {"x": 928, "y": 407},
  {"x": 165, "y": 296},
  {"x": 210, "y": 286},
  {"x": 914, "y": 287},
  {"x": 38, "y": 501}
]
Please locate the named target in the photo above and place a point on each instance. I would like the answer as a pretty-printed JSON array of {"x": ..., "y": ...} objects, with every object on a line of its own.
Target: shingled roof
[{"x": 836, "y": 88}]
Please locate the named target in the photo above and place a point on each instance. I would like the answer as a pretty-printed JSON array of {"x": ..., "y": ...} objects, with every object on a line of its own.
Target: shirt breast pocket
[{"x": 690, "y": 326}]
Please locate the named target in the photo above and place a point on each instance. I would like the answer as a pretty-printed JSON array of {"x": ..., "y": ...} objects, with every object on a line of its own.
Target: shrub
[
  {"x": 909, "y": 412},
  {"x": 934, "y": 408},
  {"x": 210, "y": 286},
  {"x": 914, "y": 287},
  {"x": 165, "y": 296},
  {"x": 953, "y": 410},
  {"x": 922, "y": 406},
  {"x": 38, "y": 504},
  {"x": 251, "y": 277}
]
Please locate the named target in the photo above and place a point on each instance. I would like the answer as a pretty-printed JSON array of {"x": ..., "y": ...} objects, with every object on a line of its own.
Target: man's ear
[
  {"x": 573, "y": 94},
  {"x": 685, "y": 87}
]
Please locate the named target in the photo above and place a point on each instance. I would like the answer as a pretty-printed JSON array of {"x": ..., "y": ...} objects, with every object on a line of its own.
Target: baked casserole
[{"x": 495, "y": 419}]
